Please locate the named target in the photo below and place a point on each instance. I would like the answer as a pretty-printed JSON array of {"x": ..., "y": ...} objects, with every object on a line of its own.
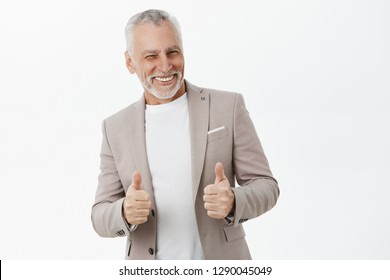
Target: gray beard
[{"x": 165, "y": 95}]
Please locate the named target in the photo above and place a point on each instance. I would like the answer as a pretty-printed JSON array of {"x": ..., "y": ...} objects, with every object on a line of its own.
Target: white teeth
[{"x": 164, "y": 79}]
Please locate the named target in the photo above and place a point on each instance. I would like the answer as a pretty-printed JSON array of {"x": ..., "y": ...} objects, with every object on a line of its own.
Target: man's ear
[{"x": 129, "y": 63}]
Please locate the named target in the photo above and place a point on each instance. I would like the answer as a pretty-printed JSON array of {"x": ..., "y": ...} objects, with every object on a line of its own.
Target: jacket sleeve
[
  {"x": 259, "y": 190},
  {"x": 107, "y": 217}
]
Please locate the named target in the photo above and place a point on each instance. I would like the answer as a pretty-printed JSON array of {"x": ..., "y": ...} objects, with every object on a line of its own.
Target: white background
[{"x": 315, "y": 77}]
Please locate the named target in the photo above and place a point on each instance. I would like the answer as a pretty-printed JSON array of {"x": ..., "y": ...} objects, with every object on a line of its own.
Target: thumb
[
  {"x": 219, "y": 173},
  {"x": 137, "y": 179}
]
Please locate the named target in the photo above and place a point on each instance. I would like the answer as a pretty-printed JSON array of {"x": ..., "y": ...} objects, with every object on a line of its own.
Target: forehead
[{"x": 148, "y": 36}]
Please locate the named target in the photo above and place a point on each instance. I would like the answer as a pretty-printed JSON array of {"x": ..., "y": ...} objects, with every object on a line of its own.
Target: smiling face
[{"x": 158, "y": 61}]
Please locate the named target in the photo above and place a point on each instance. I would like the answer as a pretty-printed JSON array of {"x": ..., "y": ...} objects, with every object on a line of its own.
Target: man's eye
[
  {"x": 151, "y": 56},
  {"x": 172, "y": 52}
]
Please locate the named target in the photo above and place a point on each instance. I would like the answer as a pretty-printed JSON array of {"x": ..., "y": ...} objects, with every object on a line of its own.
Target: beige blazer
[{"x": 234, "y": 143}]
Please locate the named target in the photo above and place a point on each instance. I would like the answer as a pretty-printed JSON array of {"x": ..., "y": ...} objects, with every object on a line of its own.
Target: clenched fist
[
  {"x": 218, "y": 197},
  {"x": 136, "y": 205}
]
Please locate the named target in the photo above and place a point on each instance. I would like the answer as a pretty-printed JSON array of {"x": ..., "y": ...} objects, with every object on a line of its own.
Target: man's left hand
[{"x": 218, "y": 197}]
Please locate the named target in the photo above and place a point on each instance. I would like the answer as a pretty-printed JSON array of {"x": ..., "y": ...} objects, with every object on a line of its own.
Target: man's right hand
[{"x": 136, "y": 205}]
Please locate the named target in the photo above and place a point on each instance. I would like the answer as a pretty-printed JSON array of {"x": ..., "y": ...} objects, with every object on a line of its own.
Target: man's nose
[{"x": 165, "y": 64}]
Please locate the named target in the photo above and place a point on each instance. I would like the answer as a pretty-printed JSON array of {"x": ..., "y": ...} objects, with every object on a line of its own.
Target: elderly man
[{"x": 169, "y": 162}]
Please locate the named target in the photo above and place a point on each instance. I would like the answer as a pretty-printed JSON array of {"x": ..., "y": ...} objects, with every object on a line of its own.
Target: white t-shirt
[{"x": 169, "y": 154}]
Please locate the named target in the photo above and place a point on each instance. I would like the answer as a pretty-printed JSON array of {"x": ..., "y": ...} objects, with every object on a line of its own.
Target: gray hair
[{"x": 148, "y": 16}]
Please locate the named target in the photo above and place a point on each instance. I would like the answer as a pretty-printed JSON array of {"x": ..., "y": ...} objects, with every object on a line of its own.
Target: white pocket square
[{"x": 216, "y": 129}]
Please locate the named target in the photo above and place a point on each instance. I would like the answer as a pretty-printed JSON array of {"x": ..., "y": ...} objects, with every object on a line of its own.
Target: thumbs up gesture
[
  {"x": 136, "y": 205},
  {"x": 218, "y": 197}
]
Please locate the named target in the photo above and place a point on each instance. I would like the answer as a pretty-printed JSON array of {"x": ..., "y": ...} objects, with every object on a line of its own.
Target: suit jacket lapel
[
  {"x": 138, "y": 140},
  {"x": 198, "y": 108}
]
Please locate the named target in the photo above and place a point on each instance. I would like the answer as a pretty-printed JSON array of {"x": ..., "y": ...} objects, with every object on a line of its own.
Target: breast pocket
[{"x": 217, "y": 133}]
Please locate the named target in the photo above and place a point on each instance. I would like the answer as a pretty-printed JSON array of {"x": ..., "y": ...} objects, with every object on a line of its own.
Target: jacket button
[
  {"x": 151, "y": 251},
  {"x": 152, "y": 212}
]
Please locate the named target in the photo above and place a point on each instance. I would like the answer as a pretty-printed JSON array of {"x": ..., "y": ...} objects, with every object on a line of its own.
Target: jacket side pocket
[
  {"x": 128, "y": 248},
  {"x": 234, "y": 233}
]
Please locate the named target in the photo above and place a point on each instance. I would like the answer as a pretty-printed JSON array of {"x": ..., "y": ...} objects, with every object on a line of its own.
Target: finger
[
  {"x": 210, "y": 206},
  {"x": 137, "y": 216},
  {"x": 219, "y": 173},
  {"x": 140, "y": 196},
  {"x": 211, "y": 190},
  {"x": 215, "y": 214},
  {"x": 142, "y": 213},
  {"x": 137, "y": 180},
  {"x": 138, "y": 220},
  {"x": 143, "y": 205},
  {"x": 212, "y": 198}
]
